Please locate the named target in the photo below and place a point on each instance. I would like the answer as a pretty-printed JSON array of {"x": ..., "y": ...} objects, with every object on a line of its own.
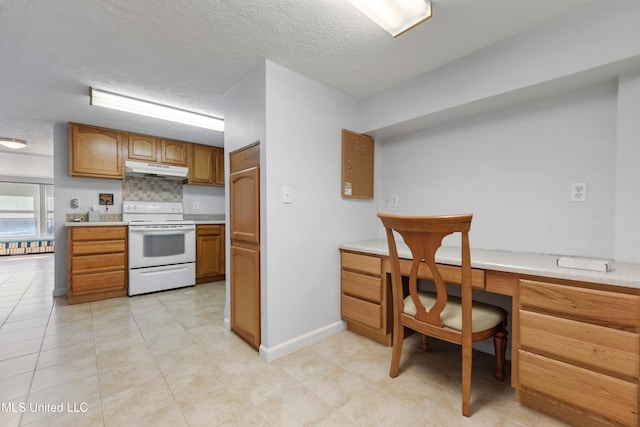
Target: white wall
[
  {"x": 492, "y": 95},
  {"x": 513, "y": 169},
  {"x": 245, "y": 123},
  {"x": 581, "y": 43},
  {"x": 303, "y": 151},
  {"x": 627, "y": 206},
  {"x": 35, "y": 168},
  {"x": 298, "y": 123},
  {"x": 209, "y": 199}
]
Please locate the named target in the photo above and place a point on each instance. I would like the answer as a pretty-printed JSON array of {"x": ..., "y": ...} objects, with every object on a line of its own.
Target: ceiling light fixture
[
  {"x": 395, "y": 16},
  {"x": 13, "y": 142},
  {"x": 150, "y": 109}
]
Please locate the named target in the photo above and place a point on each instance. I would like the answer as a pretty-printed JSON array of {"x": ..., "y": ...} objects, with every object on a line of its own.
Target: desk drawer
[
  {"x": 605, "y": 350},
  {"x": 363, "y": 312},
  {"x": 619, "y": 311},
  {"x": 364, "y": 263},
  {"x": 610, "y": 397},
  {"x": 362, "y": 286},
  {"x": 449, "y": 273}
]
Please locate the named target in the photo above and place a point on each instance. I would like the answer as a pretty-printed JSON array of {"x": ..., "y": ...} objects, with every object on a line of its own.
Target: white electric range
[{"x": 162, "y": 246}]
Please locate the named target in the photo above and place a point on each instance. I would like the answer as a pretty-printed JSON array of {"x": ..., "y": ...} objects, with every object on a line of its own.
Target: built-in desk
[{"x": 575, "y": 333}]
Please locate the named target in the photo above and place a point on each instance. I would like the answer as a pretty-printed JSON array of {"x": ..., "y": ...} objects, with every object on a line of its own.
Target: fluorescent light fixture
[
  {"x": 395, "y": 16},
  {"x": 151, "y": 109},
  {"x": 13, "y": 142}
]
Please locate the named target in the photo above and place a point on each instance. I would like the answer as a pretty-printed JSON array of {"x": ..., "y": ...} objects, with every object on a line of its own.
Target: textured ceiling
[{"x": 187, "y": 53}]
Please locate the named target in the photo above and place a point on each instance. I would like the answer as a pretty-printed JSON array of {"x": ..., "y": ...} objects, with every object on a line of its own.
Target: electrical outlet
[
  {"x": 393, "y": 201},
  {"x": 579, "y": 192},
  {"x": 196, "y": 205}
]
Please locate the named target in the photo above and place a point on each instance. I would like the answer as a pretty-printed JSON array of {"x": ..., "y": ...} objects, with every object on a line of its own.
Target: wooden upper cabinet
[
  {"x": 206, "y": 165},
  {"x": 95, "y": 152},
  {"x": 174, "y": 152},
  {"x": 219, "y": 160},
  {"x": 201, "y": 166},
  {"x": 142, "y": 148}
]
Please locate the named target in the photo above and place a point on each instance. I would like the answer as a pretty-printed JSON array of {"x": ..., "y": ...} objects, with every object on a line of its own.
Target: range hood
[{"x": 154, "y": 170}]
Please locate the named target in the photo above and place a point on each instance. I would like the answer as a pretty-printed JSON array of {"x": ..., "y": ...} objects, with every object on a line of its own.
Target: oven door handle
[{"x": 177, "y": 267}]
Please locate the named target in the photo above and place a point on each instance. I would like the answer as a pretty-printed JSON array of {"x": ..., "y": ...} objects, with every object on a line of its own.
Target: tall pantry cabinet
[{"x": 244, "y": 200}]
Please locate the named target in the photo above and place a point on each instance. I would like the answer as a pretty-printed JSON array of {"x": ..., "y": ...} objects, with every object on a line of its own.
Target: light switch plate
[{"x": 286, "y": 195}]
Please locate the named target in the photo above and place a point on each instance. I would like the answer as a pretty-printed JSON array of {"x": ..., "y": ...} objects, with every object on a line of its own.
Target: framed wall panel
[{"x": 357, "y": 165}]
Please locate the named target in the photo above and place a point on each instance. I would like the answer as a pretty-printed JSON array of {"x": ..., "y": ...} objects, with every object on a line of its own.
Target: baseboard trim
[
  {"x": 269, "y": 354},
  {"x": 59, "y": 292}
]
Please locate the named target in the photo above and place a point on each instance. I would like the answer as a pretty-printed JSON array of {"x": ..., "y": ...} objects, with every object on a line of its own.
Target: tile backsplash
[{"x": 151, "y": 189}]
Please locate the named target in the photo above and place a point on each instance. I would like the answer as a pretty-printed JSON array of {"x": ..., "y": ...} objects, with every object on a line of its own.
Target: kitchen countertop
[
  {"x": 620, "y": 274},
  {"x": 94, "y": 223},
  {"x": 112, "y": 223}
]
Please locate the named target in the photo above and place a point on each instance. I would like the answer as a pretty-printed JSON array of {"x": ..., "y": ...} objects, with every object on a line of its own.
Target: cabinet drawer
[
  {"x": 209, "y": 230},
  {"x": 98, "y": 282},
  {"x": 449, "y": 273},
  {"x": 606, "y": 350},
  {"x": 604, "y": 308},
  {"x": 362, "y": 286},
  {"x": 363, "y": 263},
  {"x": 103, "y": 247},
  {"x": 98, "y": 233},
  {"x": 364, "y": 312},
  {"x": 97, "y": 263},
  {"x": 610, "y": 397}
]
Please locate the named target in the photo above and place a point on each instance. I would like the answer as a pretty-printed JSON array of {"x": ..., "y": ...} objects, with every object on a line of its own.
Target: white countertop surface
[{"x": 620, "y": 274}]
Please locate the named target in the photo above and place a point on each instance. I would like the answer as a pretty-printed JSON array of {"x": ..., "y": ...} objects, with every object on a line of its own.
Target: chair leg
[
  {"x": 466, "y": 380},
  {"x": 500, "y": 347},
  {"x": 396, "y": 354},
  {"x": 425, "y": 343}
]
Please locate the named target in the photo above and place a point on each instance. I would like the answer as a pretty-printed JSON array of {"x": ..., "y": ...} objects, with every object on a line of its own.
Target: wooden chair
[{"x": 438, "y": 315}]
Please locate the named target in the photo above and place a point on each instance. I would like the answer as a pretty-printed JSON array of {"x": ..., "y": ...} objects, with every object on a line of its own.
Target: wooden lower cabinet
[
  {"x": 578, "y": 355},
  {"x": 365, "y": 298},
  {"x": 96, "y": 263},
  {"x": 210, "y": 259},
  {"x": 245, "y": 293}
]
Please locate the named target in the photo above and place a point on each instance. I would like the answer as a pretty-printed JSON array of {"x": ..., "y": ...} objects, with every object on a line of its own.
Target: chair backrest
[{"x": 423, "y": 235}]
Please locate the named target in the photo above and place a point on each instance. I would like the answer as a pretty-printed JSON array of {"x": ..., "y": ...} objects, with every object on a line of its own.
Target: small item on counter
[
  {"x": 94, "y": 214},
  {"x": 77, "y": 220},
  {"x": 584, "y": 263}
]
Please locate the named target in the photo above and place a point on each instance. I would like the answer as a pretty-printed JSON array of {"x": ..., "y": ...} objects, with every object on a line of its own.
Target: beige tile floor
[{"x": 165, "y": 359}]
